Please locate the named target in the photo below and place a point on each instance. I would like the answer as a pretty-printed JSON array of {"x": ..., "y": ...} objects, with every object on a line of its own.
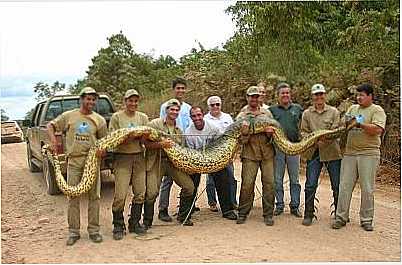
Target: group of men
[{"x": 145, "y": 166}]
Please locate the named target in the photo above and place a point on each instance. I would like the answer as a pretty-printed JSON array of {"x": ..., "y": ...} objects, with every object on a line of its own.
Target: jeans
[
  {"x": 313, "y": 171},
  {"x": 164, "y": 193},
  {"x": 293, "y": 163},
  {"x": 221, "y": 180},
  {"x": 211, "y": 190}
]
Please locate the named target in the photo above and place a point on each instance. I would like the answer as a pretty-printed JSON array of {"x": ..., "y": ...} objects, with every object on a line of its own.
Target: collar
[{"x": 326, "y": 107}]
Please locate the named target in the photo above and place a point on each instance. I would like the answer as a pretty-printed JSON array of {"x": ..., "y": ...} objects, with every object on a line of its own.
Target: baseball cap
[
  {"x": 88, "y": 90},
  {"x": 317, "y": 88},
  {"x": 253, "y": 90},
  {"x": 214, "y": 100},
  {"x": 131, "y": 92},
  {"x": 172, "y": 102}
]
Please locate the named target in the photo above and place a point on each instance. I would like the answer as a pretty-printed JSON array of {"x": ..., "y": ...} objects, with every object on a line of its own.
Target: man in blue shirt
[
  {"x": 183, "y": 121},
  {"x": 289, "y": 115}
]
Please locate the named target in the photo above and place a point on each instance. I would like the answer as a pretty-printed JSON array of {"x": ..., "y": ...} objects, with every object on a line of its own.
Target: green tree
[
  {"x": 4, "y": 116},
  {"x": 44, "y": 90}
]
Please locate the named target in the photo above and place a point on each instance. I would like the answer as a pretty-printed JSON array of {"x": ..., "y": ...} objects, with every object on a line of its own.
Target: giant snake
[{"x": 214, "y": 157}]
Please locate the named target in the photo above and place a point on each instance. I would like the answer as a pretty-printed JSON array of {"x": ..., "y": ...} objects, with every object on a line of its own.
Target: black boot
[
  {"x": 184, "y": 210},
  {"x": 118, "y": 225},
  {"x": 308, "y": 207},
  {"x": 148, "y": 214},
  {"x": 134, "y": 225}
]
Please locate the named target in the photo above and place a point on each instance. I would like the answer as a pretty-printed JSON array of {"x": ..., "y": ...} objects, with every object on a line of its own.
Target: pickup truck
[{"x": 36, "y": 135}]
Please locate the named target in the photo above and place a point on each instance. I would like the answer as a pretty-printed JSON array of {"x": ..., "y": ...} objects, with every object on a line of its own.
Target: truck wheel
[
  {"x": 32, "y": 167},
  {"x": 48, "y": 174}
]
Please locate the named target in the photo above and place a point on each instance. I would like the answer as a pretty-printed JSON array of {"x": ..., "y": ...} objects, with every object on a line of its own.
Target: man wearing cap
[
  {"x": 159, "y": 165},
  {"x": 221, "y": 120},
  {"x": 320, "y": 116},
  {"x": 84, "y": 127},
  {"x": 261, "y": 98},
  {"x": 361, "y": 158},
  {"x": 129, "y": 166},
  {"x": 183, "y": 121},
  {"x": 198, "y": 136},
  {"x": 257, "y": 153},
  {"x": 289, "y": 115}
]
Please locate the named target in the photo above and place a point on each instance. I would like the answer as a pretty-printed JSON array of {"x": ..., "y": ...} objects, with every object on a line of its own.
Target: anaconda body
[{"x": 212, "y": 158}]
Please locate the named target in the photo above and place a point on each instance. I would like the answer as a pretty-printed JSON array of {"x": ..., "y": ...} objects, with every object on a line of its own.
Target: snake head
[{"x": 350, "y": 121}]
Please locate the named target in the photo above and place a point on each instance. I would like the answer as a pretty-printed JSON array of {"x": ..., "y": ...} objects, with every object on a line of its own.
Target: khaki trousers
[
  {"x": 163, "y": 167},
  {"x": 126, "y": 168},
  {"x": 363, "y": 168},
  {"x": 248, "y": 177},
  {"x": 75, "y": 169}
]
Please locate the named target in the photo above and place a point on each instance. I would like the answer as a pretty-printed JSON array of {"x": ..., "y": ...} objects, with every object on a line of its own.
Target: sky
[{"x": 48, "y": 42}]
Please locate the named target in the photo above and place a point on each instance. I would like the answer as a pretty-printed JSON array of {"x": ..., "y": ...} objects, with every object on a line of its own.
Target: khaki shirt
[
  {"x": 160, "y": 124},
  {"x": 359, "y": 142},
  {"x": 120, "y": 120},
  {"x": 256, "y": 146},
  {"x": 328, "y": 119},
  {"x": 82, "y": 131}
]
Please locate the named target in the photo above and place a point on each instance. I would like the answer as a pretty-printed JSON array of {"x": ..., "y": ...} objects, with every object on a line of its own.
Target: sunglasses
[{"x": 215, "y": 104}]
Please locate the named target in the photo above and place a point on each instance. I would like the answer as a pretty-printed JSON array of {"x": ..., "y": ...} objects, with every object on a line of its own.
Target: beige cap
[
  {"x": 214, "y": 100},
  {"x": 88, "y": 90},
  {"x": 172, "y": 102},
  {"x": 131, "y": 92},
  {"x": 317, "y": 88},
  {"x": 253, "y": 90}
]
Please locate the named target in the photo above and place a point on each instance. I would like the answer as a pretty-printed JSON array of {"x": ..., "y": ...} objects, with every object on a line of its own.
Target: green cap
[
  {"x": 88, "y": 90},
  {"x": 253, "y": 90},
  {"x": 172, "y": 102},
  {"x": 131, "y": 92}
]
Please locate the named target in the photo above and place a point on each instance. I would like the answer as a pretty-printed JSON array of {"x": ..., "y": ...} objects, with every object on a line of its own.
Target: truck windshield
[{"x": 57, "y": 107}]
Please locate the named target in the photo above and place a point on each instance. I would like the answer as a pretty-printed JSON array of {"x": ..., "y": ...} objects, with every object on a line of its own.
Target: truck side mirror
[{"x": 26, "y": 123}]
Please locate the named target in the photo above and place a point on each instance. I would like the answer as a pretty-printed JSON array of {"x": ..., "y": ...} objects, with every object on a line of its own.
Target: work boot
[
  {"x": 118, "y": 225},
  {"x": 338, "y": 223},
  {"x": 184, "y": 215},
  {"x": 296, "y": 212},
  {"x": 241, "y": 220},
  {"x": 96, "y": 238},
  {"x": 148, "y": 216},
  {"x": 367, "y": 226},
  {"x": 72, "y": 239},
  {"x": 268, "y": 220},
  {"x": 134, "y": 225},
  {"x": 164, "y": 216},
  {"x": 307, "y": 221}
]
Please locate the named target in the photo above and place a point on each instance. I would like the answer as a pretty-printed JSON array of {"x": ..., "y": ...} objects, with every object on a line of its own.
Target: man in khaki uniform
[
  {"x": 83, "y": 127},
  {"x": 257, "y": 153},
  {"x": 361, "y": 158},
  {"x": 159, "y": 165},
  {"x": 129, "y": 165},
  {"x": 328, "y": 153}
]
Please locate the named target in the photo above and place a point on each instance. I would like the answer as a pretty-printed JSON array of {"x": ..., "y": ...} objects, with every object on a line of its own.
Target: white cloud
[{"x": 48, "y": 41}]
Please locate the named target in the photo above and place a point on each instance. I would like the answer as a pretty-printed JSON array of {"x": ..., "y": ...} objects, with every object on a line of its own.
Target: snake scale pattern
[{"x": 211, "y": 159}]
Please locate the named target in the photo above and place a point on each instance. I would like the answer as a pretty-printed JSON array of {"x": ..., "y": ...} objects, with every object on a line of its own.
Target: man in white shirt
[
  {"x": 221, "y": 120},
  {"x": 200, "y": 133}
]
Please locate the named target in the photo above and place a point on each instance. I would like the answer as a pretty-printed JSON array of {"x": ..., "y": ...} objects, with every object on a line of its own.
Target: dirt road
[{"x": 34, "y": 229}]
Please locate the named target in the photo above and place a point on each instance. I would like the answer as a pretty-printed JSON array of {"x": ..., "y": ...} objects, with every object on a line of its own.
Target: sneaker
[
  {"x": 338, "y": 224},
  {"x": 96, "y": 238},
  {"x": 268, "y": 220},
  {"x": 72, "y": 239},
  {"x": 230, "y": 215},
  {"x": 241, "y": 220},
  {"x": 164, "y": 216},
  {"x": 296, "y": 213},
  {"x": 367, "y": 226},
  {"x": 213, "y": 208},
  {"x": 278, "y": 211},
  {"x": 307, "y": 221}
]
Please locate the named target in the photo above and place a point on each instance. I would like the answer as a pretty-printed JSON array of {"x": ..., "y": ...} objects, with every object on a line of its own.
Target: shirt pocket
[{"x": 327, "y": 124}]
